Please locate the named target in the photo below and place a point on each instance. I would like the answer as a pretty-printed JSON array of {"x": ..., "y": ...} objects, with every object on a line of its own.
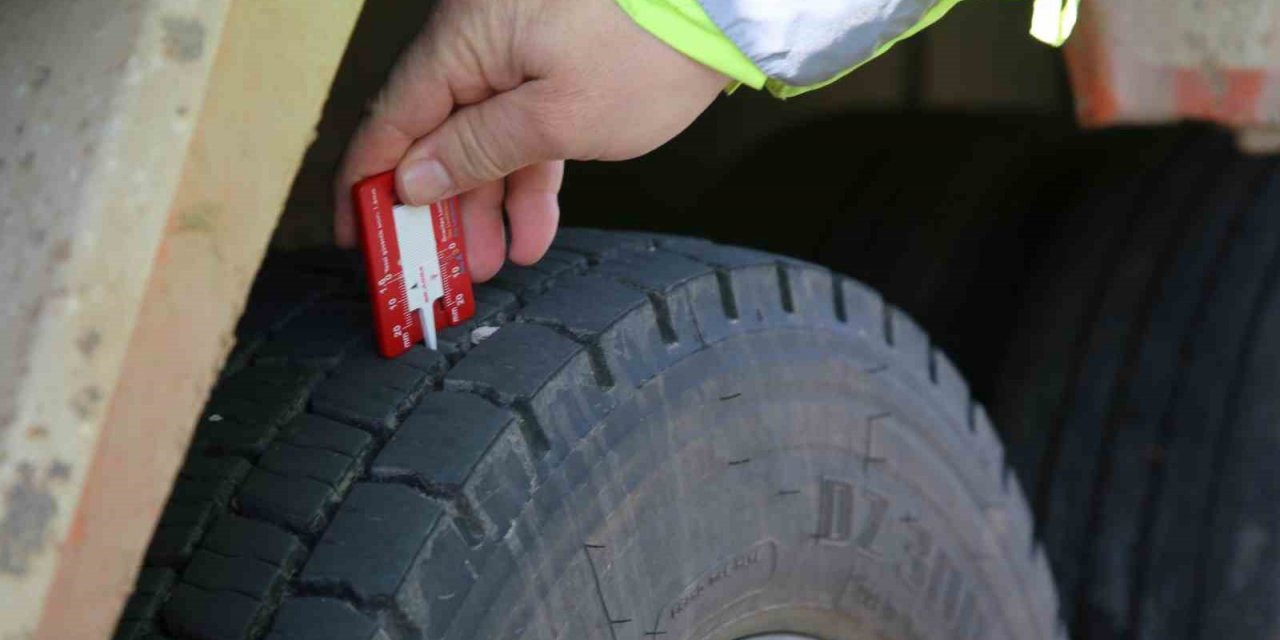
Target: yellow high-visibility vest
[{"x": 793, "y": 46}]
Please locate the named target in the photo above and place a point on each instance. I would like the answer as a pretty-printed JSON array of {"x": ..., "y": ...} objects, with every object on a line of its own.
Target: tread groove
[
  {"x": 1159, "y": 474},
  {"x": 397, "y": 625},
  {"x": 784, "y": 288},
  {"x": 838, "y": 303},
  {"x": 1221, "y": 438},
  {"x": 1126, "y": 377},
  {"x": 887, "y": 312},
  {"x": 452, "y": 498},
  {"x": 1043, "y": 484},
  {"x": 1137, "y": 393},
  {"x": 599, "y": 365},
  {"x": 662, "y": 311},
  {"x": 727, "y": 298},
  {"x": 534, "y": 435}
]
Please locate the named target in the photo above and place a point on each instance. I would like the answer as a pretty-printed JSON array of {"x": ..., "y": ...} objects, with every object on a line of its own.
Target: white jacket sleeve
[{"x": 809, "y": 42}]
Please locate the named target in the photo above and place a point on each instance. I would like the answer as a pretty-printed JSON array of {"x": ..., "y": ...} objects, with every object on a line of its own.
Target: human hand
[{"x": 494, "y": 95}]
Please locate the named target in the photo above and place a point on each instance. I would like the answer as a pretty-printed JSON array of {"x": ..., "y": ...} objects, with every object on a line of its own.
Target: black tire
[
  {"x": 665, "y": 437},
  {"x": 1141, "y": 399}
]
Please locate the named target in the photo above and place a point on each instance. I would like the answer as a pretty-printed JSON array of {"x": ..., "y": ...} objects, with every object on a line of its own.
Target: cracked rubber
[
  {"x": 662, "y": 438},
  {"x": 1141, "y": 398}
]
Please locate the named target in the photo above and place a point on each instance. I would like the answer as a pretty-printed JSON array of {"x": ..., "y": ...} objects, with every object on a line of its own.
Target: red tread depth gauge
[{"x": 416, "y": 261}]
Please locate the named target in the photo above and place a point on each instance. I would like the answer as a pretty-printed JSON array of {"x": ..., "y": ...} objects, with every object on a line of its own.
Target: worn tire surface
[
  {"x": 1141, "y": 399},
  {"x": 663, "y": 438}
]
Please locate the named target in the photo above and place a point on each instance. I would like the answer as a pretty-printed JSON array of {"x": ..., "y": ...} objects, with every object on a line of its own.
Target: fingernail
[{"x": 424, "y": 181}]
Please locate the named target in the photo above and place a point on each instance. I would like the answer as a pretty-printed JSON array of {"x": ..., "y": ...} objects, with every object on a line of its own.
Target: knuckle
[
  {"x": 560, "y": 121},
  {"x": 478, "y": 154},
  {"x": 548, "y": 133}
]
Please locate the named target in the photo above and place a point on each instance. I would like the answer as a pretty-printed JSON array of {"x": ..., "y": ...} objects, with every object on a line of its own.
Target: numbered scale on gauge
[{"x": 416, "y": 261}]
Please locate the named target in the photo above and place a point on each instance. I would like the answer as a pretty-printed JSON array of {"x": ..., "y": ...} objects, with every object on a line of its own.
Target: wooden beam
[
  {"x": 273, "y": 70},
  {"x": 99, "y": 106},
  {"x": 207, "y": 114}
]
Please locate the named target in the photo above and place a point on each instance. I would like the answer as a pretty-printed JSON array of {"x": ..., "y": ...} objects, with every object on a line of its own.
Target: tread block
[
  {"x": 863, "y": 309},
  {"x": 1022, "y": 521},
  {"x": 301, "y": 618},
  {"x": 671, "y": 281},
  {"x": 240, "y": 357},
  {"x": 557, "y": 262},
  {"x": 621, "y": 320},
  {"x": 233, "y": 437},
  {"x": 758, "y": 296},
  {"x": 222, "y": 410},
  {"x": 909, "y": 341},
  {"x": 459, "y": 444},
  {"x": 442, "y": 440},
  {"x": 597, "y": 244},
  {"x": 550, "y": 496},
  {"x": 493, "y": 304},
  {"x": 517, "y": 361},
  {"x": 433, "y": 363},
  {"x": 320, "y": 335},
  {"x": 522, "y": 365},
  {"x": 990, "y": 450},
  {"x": 749, "y": 281},
  {"x": 500, "y": 486},
  {"x": 319, "y": 262},
  {"x": 332, "y": 469},
  {"x": 191, "y": 514},
  {"x": 468, "y": 615},
  {"x": 245, "y": 576},
  {"x": 372, "y": 541},
  {"x": 285, "y": 287},
  {"x": 812, "y": 292},
  {"x": 318, "y": 432},
  {"x": 373, "y": 392},
  {"x": 563, "y": 305},
  {"x": 955, "y": 391},
  {"x": 210, "y": 490},
  {"x": 273, "y": 301},
  {"x": 493, "y": 307},
  {"x": 134, "y": 629},
  {"x": 654, "y": 271},
  {"x": 172, "y": 545},
  {"x": 443, "y": 580},
  {"x": 299, "y": 504},
  {"x": 198, "y": 467},
  {"x": 238, "y": 537},
  {"x": 702, "y": 300},
  {"x": 722, "y": 256},
  {"x": 247, "y": 409},
  {"x": 377, "y": 409},
  {"x": 668, "y": 240},
  {"x": 192, "y": 612},
  {"x": 374, "y": 370},
  {"x": 149, "y": 592},
  {"x": 266, "y": 383},
  {"x": 522, "y": 281}
]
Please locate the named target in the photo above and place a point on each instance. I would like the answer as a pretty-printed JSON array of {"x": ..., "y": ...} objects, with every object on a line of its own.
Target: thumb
[{"x": 478, "y": 144}]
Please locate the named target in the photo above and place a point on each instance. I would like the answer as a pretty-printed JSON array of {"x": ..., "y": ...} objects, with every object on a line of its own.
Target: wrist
[{"x": 685, "y": 27}]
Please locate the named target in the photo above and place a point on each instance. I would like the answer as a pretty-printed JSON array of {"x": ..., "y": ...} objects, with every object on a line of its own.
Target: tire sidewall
[{"x": 780, "y": 481}]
